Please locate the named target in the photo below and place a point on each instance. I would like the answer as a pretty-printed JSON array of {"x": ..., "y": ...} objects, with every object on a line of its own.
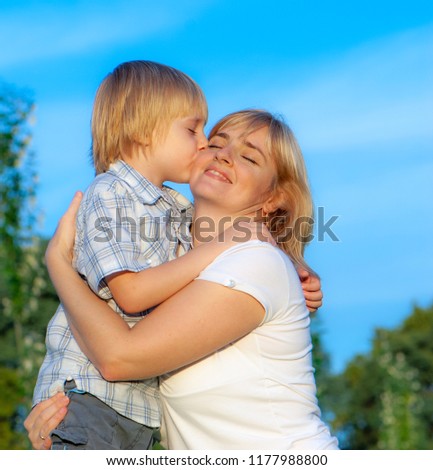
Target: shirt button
[
  {"x": 148, "y": 262},
  {"x": 229, "y": 283}
]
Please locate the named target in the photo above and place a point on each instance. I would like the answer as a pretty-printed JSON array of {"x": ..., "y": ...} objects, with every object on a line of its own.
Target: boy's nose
[{"x": 203, "y": 143}]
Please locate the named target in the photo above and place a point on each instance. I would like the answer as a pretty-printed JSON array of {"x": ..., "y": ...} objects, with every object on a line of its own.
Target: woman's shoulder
[
  {"x": 257, "y": 252},
  {"x": 254, "y": 261},
  {"x": 260, "y": 270}
]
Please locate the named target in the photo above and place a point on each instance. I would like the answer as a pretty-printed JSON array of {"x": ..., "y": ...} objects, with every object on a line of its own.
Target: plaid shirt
[{"x": 125, "y": 223}]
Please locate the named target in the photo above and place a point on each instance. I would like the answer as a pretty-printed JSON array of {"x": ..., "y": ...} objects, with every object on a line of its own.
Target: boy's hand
[
  {"x": 312, "y": 290},
  {"x": 45, "y": 417}
]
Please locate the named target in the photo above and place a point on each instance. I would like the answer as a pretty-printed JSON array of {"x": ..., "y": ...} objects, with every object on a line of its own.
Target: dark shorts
[{"x": 91, "y": 424}]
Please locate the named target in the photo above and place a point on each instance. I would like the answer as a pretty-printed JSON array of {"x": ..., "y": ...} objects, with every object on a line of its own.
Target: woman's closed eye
[{"x": 249, "y": 159}]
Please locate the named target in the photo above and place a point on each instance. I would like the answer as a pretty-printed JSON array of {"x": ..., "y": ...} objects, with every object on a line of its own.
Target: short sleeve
[
  {"x": 110, "y": 238},
  {"x": 256, "y": 268}
]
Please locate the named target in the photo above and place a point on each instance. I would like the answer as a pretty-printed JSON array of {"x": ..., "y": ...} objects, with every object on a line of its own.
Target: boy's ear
[{"x": 144, "y": 141}]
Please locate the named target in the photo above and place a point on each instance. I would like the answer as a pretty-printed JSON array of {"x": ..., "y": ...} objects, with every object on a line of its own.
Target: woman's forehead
[
  {"x": 243, "y": 129},
  {"x": 260, "y": 141}
]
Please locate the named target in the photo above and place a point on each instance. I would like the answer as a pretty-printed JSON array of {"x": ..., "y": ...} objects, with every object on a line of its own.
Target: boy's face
[{"x": 175, "y": 154}]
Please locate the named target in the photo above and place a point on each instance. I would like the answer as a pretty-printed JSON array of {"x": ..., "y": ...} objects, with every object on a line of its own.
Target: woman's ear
[{"x": 274, "y": 202}]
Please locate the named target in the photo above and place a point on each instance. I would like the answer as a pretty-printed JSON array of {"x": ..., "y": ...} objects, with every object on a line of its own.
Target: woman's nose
[{"x": 223, "y": 155}]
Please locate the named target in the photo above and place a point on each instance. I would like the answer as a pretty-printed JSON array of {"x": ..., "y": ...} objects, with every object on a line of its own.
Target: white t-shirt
[{"x": 258, "y": 392}]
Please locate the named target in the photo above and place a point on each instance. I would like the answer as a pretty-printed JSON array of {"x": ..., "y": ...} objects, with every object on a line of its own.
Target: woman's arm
[
  {"x": 195, "y": 322},
  {"x": 198, "y": 320},
  {"x": 175, "y": 340}
]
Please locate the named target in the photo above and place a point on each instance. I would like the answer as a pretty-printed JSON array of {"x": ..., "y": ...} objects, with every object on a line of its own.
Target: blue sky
[{"x": 354, "y": 80}]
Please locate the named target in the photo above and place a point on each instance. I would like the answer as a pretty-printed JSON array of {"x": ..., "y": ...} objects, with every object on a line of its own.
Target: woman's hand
[
  {"x": 45, "y": 417},
  {"x": 62, "y": 242},
  {"x": 312, "y": 290}
]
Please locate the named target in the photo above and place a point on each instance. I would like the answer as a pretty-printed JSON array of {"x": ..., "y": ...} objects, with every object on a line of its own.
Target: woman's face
[{"x": 235, "y": 172}]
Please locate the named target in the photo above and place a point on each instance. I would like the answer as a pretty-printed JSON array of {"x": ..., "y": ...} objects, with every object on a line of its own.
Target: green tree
[
  {"x": 401, "y": 410},
  {"x": 384, "y": 399},
  {"x": 322, "y": 368},
  {"x": 25, "y": 291}
]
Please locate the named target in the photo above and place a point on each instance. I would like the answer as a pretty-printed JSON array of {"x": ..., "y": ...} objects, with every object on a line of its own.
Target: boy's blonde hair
[
  {"x": 136, "y": 104},
  {"x": 291, "y": 223}
]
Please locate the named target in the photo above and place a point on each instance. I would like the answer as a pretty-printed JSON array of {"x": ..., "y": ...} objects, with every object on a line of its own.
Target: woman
[{"x": 233, "y": 348}]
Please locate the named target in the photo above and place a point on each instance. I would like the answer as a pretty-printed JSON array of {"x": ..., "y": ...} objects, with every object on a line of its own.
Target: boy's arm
[
  {"x": 114, "y": 246},
  {"x": 115, "y": 249},
  {"x": 138, "y": 291},
  {"x": 312, "y": 290}
]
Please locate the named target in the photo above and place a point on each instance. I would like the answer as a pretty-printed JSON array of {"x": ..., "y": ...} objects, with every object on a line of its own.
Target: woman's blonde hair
[
  {"x": 136, "y": 104},
  {"x": 291, "y": 224}
]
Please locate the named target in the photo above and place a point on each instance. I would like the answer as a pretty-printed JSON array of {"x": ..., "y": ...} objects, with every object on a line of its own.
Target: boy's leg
[
  {"x": 89, "y": 423},
  {"x": 131, "y": 435},
  {"x": 92, "y": 425}
]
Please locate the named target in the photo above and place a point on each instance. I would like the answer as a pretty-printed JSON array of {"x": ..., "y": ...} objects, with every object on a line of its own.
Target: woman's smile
[
  {"x": 218, "y": 174},
  {"x": 235, "y": 172}
]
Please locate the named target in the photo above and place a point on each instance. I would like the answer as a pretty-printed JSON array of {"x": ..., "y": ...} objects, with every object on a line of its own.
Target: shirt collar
[
  {"x": 178, "y": 200},
  {"x": 146, "y": 191}
]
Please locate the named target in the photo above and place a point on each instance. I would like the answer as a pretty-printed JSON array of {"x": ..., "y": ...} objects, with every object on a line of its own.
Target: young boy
[{"x": 147, "y": 128}]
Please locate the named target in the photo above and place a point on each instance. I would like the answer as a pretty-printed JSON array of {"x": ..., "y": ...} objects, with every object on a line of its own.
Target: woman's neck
[{"x": 211, "y": 221}]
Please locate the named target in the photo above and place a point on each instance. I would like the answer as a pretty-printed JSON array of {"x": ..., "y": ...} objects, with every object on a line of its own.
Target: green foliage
[
  {"x": 27, "y": 297},
  {"x": 402, "y": 426},
  {"x": 321, "y": 364},
  {"x": 16, "y": 197},
  {"x": 12, "y": 395},
  {"x": 385, "y": 398}
]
